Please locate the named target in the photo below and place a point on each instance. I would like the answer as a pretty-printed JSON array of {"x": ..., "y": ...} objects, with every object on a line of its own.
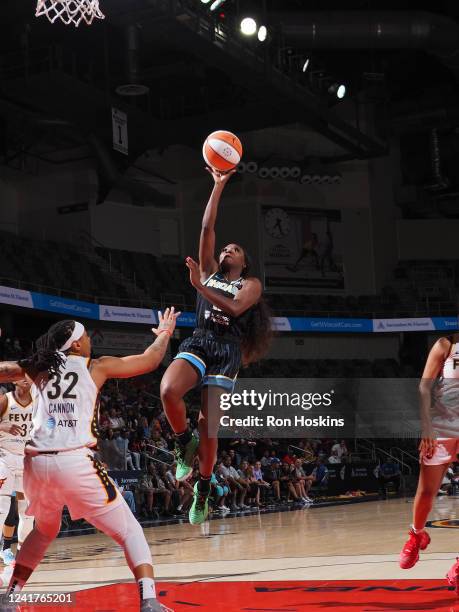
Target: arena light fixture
[
  {"x": 205, "y": 1},
  {"x": 248, "y": 26},
  {"x": 306, "y": 65},
  {"x": 262, "y": 33},
  {"x": 338, "y": 90},
  {"x": 217, "y": 4}
]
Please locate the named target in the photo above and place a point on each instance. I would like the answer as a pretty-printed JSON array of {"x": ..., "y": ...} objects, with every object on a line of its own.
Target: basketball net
[{"x": 70, "y": 11}]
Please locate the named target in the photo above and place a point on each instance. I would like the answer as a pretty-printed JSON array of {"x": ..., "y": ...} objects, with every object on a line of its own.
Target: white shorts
[
  {"x": 446, "y": 451},
  {"x": 71, "y": 478},
  {"x": 11, "y": 472}
]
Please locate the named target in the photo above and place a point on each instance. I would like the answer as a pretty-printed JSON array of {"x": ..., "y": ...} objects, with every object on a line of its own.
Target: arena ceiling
[{"x": 59, "y": 83}]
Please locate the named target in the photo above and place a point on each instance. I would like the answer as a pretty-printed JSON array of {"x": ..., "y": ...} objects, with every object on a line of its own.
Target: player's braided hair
[
  {"x": 46, "y": 357},
  {"x": 256, "y": 342}
]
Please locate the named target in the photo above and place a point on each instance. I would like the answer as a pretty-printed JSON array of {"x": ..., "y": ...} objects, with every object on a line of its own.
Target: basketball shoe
[
  {"x": 199, "y": 508},
  {"x": 7, "y": 556},
  {"x": 453, "y": 576},
  {"x": 410, "y": 552},
  {"x": 184, "y": 456}
]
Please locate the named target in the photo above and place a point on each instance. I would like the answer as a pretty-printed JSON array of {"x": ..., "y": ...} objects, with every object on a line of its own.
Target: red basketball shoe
[
  {"x": 410, "y": 552},
  {"x": 453, "y": 576}
]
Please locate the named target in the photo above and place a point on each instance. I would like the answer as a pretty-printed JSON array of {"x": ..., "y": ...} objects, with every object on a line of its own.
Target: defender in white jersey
[
  {"x": 439, "y": 398},
  {"x": 15, "y": 427},
  {"x": 59, "y": 466}
]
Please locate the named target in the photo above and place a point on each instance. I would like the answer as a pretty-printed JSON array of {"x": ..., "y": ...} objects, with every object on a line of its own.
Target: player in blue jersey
[{"x": 233, "y": 327}]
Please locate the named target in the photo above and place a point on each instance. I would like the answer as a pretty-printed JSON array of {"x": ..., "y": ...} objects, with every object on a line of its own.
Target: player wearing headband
[{"x": 59, "y": 466}]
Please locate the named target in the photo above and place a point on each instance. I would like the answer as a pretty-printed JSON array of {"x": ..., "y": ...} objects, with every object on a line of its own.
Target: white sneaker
[
  {"x": 244, "y": 507},
  {"x": 308, "y": 500},
  {"x": 7, "y": 556},
  {"x": 224, "y": 508}
]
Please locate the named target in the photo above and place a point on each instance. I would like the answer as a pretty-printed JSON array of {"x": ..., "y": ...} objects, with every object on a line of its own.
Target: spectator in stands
[
  {"x": 144, "y": 429},
  {"x": 122, "y": 442},
  {"x": 110, "y": 452},
  {"x": 389, "y": 471},
  {"x": 271, "y": 475},
  {"x": 320, "y": 474},
  {"x": 132, "y": 421},
  {"x": 158, "y": 446},
  {"x": 334, "y": 457},
  {"x": 136, "y": 447},
  {"x": 261, "y": 483},
  {"x": 151, "y": 485},
  {"x": 286, "y": 482},
  {"x": 237, "y": 485},
  {"x": 128, "y": 496},
  {"x": 220, "y": 490},
  {"x": 340, "y": 448},
  {"x": 104, "y": 422},
  {"x": 235, "y": 458},
  {"x": 265, "y": 459},
  {"x": 299, "y": 481},
  {"x": 164, "y": 476},
  {"x": 116, "y": 421}
]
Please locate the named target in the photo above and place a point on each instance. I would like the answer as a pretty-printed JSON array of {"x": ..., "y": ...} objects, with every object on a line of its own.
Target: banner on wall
[
  {"x": 16, "y": 297},
  {"x": 302, "y": 249},
  {"x": 119, "y": 314}
]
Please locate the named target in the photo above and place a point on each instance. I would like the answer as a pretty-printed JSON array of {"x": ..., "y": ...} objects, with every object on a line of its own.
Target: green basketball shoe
[
  {"x": 200, "y": 507},
  {"x": 184, "y": 455}
]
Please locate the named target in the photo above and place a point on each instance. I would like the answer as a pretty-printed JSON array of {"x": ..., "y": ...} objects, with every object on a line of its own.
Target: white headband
[{"x": 77, "y": 333}]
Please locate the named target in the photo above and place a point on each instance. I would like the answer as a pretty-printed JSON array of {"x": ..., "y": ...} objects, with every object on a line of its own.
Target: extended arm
[
  {"x": 11, "y": 371},
  {"x": 136, "y": 365},
  {"x": 207, "y": 262},
  {"x": 245, "y": 298}
]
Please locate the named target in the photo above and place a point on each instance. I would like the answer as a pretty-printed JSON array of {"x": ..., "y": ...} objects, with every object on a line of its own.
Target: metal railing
[{"x": 403, "y": 453}]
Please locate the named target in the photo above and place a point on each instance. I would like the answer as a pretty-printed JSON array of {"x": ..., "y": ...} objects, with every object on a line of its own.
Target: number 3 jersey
[
  {"x": 20, "y": 415},
  {"x": 65, "y": 408}
]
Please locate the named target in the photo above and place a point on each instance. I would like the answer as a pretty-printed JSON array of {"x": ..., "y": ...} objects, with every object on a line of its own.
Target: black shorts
[{"x": 216, "y": 359}]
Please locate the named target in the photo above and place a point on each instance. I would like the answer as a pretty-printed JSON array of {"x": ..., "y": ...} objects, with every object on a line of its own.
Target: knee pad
[
  {"x": 12, "y": 518},
  {"x": 121, "y": 525}
]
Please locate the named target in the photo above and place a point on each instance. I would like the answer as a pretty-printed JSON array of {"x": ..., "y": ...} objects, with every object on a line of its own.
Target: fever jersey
[
  {"x": 19, "y": 415},
  {"x": 65, "y": 408},
  {"x": 445, "y": 396},
  {"x": 212, "y": 318}
]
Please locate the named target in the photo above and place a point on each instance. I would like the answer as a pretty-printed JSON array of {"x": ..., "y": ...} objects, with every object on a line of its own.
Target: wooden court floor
[{"x": 340, "y": 558}]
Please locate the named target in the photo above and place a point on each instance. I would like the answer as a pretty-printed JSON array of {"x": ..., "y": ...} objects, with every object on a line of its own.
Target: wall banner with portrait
[{"x": 302, "y": 249}]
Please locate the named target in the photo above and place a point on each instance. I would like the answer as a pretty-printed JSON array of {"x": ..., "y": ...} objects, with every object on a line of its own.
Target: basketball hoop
[{"x": 70, "y": 11}]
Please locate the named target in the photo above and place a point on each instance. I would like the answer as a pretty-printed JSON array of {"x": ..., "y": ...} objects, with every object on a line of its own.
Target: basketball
[{"x": 222, "y": 150}]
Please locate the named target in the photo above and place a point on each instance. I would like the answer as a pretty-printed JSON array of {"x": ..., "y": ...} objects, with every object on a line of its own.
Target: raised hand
[
  {"x": 195, "y": 275},
  {"x": 220, "y": 178},
  {"x": 167, "y": 321}
]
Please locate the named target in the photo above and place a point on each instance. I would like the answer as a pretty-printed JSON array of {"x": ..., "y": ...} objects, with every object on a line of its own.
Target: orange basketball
[{"x": 222, "y": 150}]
